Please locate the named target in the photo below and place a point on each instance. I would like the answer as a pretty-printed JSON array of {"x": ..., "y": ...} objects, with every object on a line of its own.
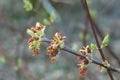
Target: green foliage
[
  {"x": 46, "y": 22},
  {"x": 36, "y": 44},
  {"x": 93, "y": 46},
  {"x": 38, "y": 33},
  {"x": 81, "y": 36},
  {"x": 28, "y": 5},
  {"x": 88, "y": 2},
  {"x": 31, "y": 33},
  {"x": 19, "y": 62},
  {"x": 2, "y": 60},
  {"x": 105, "y": 41},
  {"x": 87, "y": 37},
  {"x": 52, "y": 17},
  {"x": 93, "y": 13}
]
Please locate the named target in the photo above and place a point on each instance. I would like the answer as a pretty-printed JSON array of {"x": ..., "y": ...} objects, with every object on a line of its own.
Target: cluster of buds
[
  {"x": 84, "y": 61},
  {"x": 105, "y": 63},
  {"x": 34, "y": 42},
  {"x": 82, "y": 69},
  {"x": 56, "y": 44}
]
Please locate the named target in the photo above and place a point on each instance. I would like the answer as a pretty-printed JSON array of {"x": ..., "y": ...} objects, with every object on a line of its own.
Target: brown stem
[
  {"x": 92, "y": 27},
  {"x": 95, "y": 36},
  {"x": 100, "y": 33}
]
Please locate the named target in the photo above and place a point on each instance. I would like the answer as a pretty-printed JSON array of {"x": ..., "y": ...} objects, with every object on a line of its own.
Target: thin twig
[
  {"x": 67, "y": 49},
  {"x": 85, "y": 31},
  {"x": 95, "y": 35},
  {"x": 111, "y": 52}
]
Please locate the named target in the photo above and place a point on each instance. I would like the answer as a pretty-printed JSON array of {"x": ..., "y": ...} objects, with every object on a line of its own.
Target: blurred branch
[
  {"x": 90, "y": 75},
  {"x": 85, "y": 31},
  {"x": 105, "y": 8}
]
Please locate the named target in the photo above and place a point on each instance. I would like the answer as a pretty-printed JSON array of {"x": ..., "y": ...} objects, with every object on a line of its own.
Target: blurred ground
[{"x": 17, "y": 62}]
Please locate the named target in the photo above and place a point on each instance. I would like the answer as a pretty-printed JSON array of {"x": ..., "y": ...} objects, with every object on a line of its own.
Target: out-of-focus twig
[{"x": 85, "y": 31}]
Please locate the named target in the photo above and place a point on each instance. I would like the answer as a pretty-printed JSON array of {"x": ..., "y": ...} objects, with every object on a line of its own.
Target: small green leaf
[
  {"x": 88, "y": 2},
  {"x": 28, "y": 5},
  {"x": 39, "y": 33},
  {"x": 105, "y": 41},
  {"x": 52, "y": 16},
  {"x": 19, "y": 62},
  {"x": 87, "y": 37},
  {"x": 46, "y": 22},
  {"x": 2, "y": 60},
  {"x": 81, "y": 35},
  {"x": 31, "y": 33},
  {"x": 93, "y": 13},
  {"x": 93, "y": 46}
]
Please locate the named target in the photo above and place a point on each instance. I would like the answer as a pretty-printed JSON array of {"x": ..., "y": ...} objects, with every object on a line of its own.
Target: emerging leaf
[
  {"x": 28, "y": 5},
  {"x": 87, "y": 37},
  {"x": 19, "y": 62},
  {"x": 93, "y": 46},
  {"x": 105, "y": 41},
  {"x": 52, "y": 16},
  {"x": 89, "y": 2},
  {"x": 46, "y": 22},
  {"x": 2, "y": 60},
  {"x": 39, "y": 33},
  {"x": 81, "y": 35},
  {"x": 30, "y": 32},
  {"x": 93, "y": 13}
]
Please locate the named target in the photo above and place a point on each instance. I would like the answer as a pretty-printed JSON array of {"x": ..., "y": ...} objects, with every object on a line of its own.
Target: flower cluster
[
  {"x": 56, "y": 44},
  {"x": 105, "y": 63},
  {"x": 34, "y": 42},
  {"x": 84, "y": 61}
]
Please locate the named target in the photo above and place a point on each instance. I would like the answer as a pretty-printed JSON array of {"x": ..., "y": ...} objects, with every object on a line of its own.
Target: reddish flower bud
[
  {"x": 53, "y": 59},
  {"x": 33, "y": 29},
  {"x": 83, "y": 71},
  {"x": 88, "y": 50},
  {"x": 55, "y": 45},
  {"x": 86, "y": 62}
]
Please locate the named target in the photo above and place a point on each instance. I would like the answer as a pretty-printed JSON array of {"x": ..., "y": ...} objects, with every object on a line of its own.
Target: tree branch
[
  {"x": 95, "y": 35},
  {"x": 67, "y": 49}
]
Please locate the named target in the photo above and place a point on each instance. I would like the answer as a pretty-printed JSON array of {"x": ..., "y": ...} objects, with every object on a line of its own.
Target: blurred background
[{"x": 16, "y": 60}]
